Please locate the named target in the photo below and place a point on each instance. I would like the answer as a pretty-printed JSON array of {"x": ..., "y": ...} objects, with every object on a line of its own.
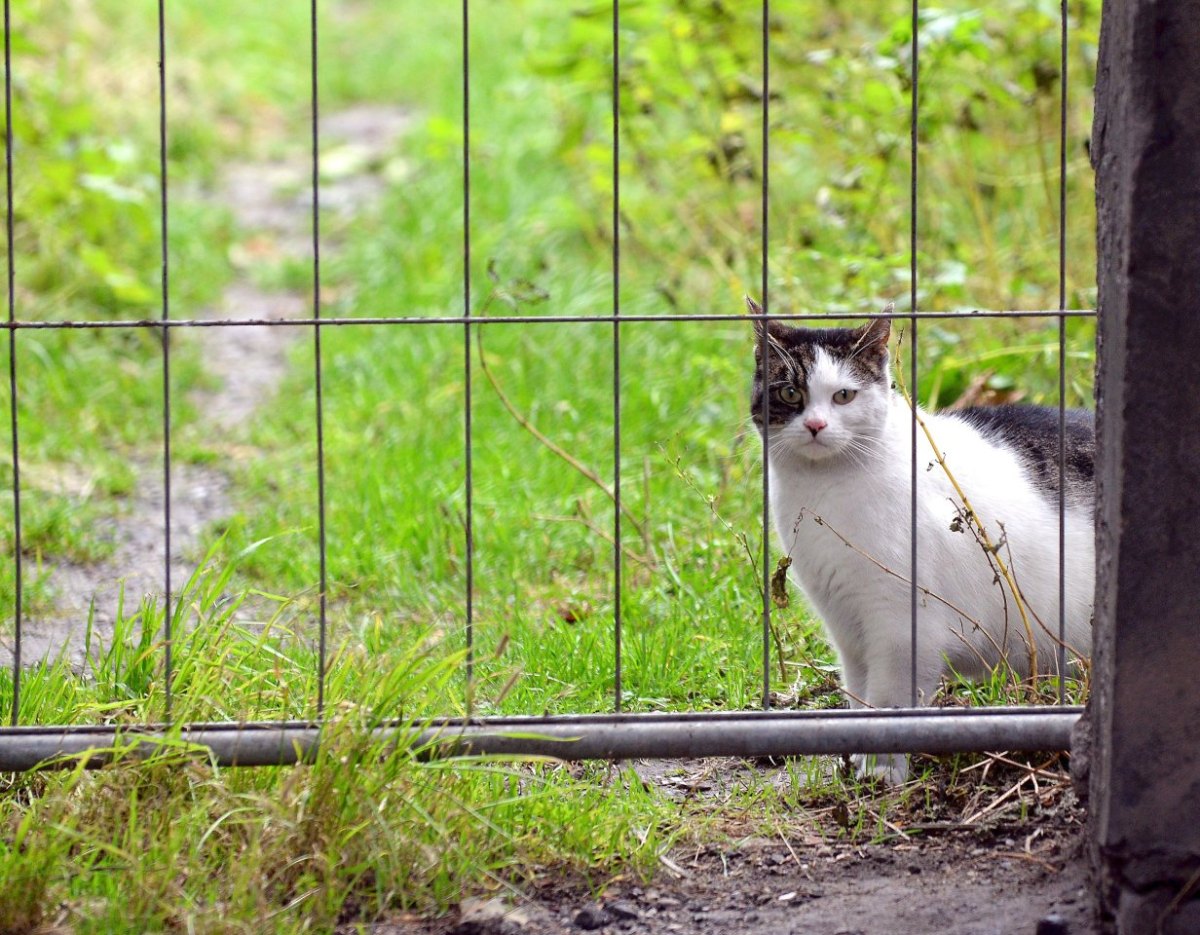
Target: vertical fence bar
[
  {"x": 469, "y": 520},
  {"x": 168, "y": 635},
  {"x": 320, "y": 408},
  {"x": 616, "y": 262},
  {"x": 12, "y": 365},
  {"x": 912, "y": 346},
  {"x": 1062, "y": 359},
  {"x": 766, "y": 359}
]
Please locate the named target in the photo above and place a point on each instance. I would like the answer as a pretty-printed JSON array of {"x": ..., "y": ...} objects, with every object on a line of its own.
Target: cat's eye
[
  {"x": 790, "y": 395},
  {"x": 841, "y": 397}
]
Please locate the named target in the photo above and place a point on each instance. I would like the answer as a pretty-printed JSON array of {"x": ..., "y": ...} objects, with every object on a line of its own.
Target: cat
[{"x": 839, "y": 454}]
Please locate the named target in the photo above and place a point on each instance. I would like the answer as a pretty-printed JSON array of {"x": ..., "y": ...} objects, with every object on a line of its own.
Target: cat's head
[{"x": 830, "y": 388}]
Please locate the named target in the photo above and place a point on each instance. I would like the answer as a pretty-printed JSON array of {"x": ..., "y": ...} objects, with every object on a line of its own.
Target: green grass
[
  {"x": 288, "y": 849},
  {"x": 165, "y": 840},
  {"x": 541, "y": 243},
  {"x": 173, "y": 842}
]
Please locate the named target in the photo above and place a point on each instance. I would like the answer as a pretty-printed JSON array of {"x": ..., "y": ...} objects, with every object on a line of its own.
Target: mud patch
[
  {"x": 990, "y": 846},
  {"x": 932, "y": 887},
  {"x": 1007, "y": 878}
]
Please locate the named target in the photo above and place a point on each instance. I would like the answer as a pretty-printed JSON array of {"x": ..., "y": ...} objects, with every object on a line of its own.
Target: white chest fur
[{"x": 847, "y": 524}]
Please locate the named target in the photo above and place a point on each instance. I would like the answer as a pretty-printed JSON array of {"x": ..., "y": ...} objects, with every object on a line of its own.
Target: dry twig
[
  {"x": 992, "y": 549},
  {"x": 548, "y": 443}
]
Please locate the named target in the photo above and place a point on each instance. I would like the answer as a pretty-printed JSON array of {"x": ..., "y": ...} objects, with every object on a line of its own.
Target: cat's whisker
[
  {"x": 856, "y": 457},
  {"x": 865, "y": 450},
  {"x": 778, "y": 447}
]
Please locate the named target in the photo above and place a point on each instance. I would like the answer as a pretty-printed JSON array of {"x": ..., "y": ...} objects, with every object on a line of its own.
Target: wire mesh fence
[{"x": 691, "y": 733}]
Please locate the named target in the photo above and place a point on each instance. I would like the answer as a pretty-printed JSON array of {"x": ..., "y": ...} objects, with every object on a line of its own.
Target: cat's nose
[{"x": 814, "y": 425}]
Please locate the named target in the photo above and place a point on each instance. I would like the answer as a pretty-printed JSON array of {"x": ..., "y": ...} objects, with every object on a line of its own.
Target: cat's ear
[
  {"x": 775, "y": 329},
  {"x": 753, "y": 308},
  {"x": 874, "y": 335}
]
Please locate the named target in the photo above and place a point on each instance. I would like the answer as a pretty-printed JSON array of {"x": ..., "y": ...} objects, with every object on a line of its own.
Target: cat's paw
[{"x": 888, "y": 768}]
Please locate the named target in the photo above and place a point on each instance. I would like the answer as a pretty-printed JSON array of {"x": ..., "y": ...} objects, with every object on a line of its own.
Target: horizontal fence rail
[
  {"x": 623, "y": 318},
  {"x": 585, "y": 737}
]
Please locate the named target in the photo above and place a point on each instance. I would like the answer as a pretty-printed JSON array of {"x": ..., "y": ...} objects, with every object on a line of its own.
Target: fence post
[{"x": 1145, "y": 778}]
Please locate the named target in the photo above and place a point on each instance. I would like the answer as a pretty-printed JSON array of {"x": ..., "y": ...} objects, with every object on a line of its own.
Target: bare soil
[
  {"x": 1019, "y": 869},
  {"x": 956, "y": 884},
  {"x": 272, "y": 208}
]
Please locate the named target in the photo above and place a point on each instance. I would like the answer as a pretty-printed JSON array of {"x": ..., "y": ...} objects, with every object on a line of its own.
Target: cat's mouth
[
  {"x": 805, "y": 445},
  {"x": 816, "y": 449}
]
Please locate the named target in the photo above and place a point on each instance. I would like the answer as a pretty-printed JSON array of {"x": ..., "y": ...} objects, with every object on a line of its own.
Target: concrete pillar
[{"x": 1145, "y": 777}]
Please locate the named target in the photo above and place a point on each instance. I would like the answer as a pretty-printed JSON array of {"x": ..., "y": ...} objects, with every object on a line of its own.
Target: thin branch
[
  {"x": 677, "y": 463},
  {"x": 1079, "y": 657},
  {"x": 885, "y": 568},
  {"x": 988, "y": 546},
  {"x": 550, "y": 445},
  {"x": 1000, "y": 800},
  {"x": 589, "y": 524}
]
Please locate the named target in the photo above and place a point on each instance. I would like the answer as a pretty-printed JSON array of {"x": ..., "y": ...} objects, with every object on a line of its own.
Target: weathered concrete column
[{"x": 1145, "y": 778}]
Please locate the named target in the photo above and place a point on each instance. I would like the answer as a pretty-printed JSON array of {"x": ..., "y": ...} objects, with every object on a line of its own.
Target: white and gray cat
[{"x": 840, "y": 449}]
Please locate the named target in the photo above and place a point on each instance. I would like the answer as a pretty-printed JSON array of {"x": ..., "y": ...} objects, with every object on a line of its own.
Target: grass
[
  {"x": 172, "y": 841},
  {"x": 541, "y": 242},
  {"x": 198, "y": 847}
]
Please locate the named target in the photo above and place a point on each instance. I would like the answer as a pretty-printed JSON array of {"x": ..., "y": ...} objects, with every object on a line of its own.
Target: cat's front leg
[
  {"x": 888, "y": 768},
  {"x": 879, "y": 691},
  {"x": 854, "y": 681},
  {"x": 889, "y": 685},
  {"x": 891, "y": 768}
]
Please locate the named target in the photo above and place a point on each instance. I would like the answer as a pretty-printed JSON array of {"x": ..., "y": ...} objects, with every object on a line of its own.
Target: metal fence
[{"x": 612, "y": 736}]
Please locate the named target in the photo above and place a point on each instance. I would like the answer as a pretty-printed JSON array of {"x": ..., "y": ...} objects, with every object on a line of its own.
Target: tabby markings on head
[{"x": 794, "y": 353}]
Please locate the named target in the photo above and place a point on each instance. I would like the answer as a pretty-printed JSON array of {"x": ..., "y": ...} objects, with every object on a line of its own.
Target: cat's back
[{"x": 1031, "y": 435}]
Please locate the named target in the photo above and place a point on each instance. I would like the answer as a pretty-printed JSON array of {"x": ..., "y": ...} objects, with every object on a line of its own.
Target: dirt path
[
  {"x": 959, "y": 856},
  {"x": 948, "y": 886},
  {"x": 271, "y": 207},
  {"x": 1020, "y": 875}
]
